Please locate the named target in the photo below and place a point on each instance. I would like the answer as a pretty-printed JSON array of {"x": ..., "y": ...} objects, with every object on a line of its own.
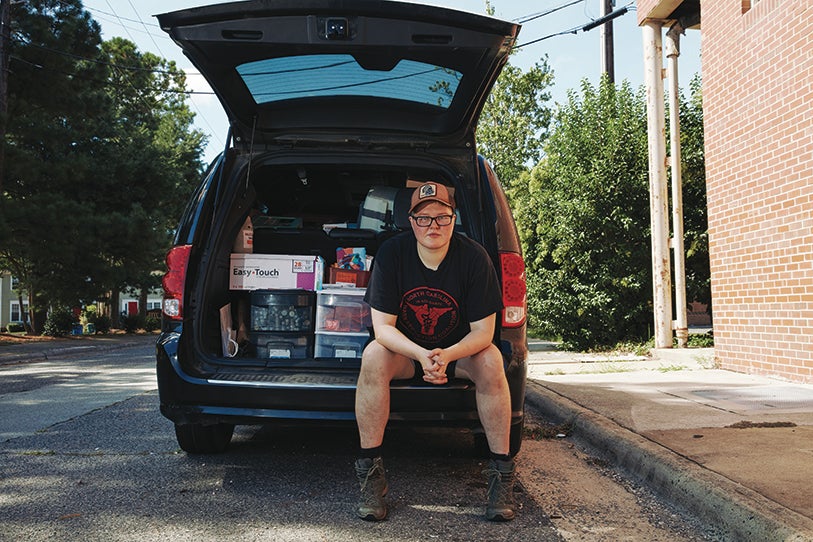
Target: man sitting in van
[{"x": 434, "y": 296}]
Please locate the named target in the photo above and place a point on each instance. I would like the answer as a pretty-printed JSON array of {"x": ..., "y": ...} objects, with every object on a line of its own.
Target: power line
[
  {"x": 527, "y": 18},
  {"x": 573, "y": 30},
  {"x": 118, "y": 19},
  {"x": 191, "y": 99},
  {"x": 92, "y": 60},
  {"x": 105, "y": 83},
  {"x": 582, "y": 27}
]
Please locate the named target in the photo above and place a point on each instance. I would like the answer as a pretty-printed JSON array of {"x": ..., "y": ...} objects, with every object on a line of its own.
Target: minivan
[{"x": 337, "y": 108}]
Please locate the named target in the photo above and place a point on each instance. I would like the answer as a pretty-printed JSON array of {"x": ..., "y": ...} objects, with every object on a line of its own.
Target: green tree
[
  {"x": 154, "y": 152},
  {"x": 52, "y": 107},
  {"x": 99, "y": 158},
  {"x": 515, "y": 119},
  {"x": 583, "y": 214},
  {"x": 695, "y": 210}
]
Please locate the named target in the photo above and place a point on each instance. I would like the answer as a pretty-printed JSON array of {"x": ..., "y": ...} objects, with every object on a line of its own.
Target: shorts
[{"x": 419, "y": 370}]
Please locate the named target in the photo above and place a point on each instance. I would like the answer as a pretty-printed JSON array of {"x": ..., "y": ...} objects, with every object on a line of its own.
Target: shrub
[
  {"x": 152, "y": 323},
  {"x": 132, "y": 323},
  {"x": 59, "y": 323},
  {"x": 100, "y": 321},
  {"x": 705, "y": 340}
]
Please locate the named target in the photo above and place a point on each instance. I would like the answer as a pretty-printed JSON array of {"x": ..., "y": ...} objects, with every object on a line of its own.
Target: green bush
[
  {"x": 59, "y": 323},
  {"x": 132, "y": 323},
  {"x": 583, "y": 216},
  {"x": 705, "y": 340},
  {"x": 151, "y": 323},
  {"x": 100, "y": 321}
]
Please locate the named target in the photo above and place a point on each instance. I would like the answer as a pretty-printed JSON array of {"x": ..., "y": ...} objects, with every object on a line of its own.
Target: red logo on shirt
[{"x": 429, "y": 315}]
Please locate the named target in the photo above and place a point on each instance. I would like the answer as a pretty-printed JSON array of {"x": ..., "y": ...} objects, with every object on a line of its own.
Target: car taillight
[
  {"x": 514, "y": 290},
  {"x": 173, "y": 281}
]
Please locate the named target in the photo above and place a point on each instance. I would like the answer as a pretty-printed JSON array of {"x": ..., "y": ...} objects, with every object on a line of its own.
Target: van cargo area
[{"x": 310, "y": 227}]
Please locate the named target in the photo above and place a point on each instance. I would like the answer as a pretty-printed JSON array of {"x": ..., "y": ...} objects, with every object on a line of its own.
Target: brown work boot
[
  {"x": 500, "y": 476},
  {"x": 373, "y": 482}
]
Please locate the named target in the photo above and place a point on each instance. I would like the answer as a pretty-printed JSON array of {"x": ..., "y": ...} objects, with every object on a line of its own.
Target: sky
[{"x": 572, "y": 57}]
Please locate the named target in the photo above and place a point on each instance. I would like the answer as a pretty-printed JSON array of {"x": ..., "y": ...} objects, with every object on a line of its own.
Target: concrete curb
[{"x": 735, "y": 511}]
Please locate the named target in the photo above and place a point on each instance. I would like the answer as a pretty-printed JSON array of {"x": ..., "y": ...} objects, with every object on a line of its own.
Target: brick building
[{"x": 758, "y": 113}]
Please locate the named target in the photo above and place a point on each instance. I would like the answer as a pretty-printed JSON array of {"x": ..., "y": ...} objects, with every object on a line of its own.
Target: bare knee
[
  {"x": 378, "y": 364},
  {"x": 486, "y": 368}
]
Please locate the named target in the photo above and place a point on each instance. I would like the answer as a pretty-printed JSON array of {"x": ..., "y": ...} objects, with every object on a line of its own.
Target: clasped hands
[{"x": 434, "y": 366}]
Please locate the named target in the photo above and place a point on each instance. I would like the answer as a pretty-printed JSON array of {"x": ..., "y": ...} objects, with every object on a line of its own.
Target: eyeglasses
[{"x": 426, "y": 221}]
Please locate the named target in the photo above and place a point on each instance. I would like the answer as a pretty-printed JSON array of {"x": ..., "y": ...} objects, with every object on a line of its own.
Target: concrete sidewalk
[{"x": 735, "y": 451}]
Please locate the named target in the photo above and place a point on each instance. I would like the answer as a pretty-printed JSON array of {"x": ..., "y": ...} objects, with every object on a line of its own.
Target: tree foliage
[
  {"x": 583, "y": 214},
  {"x": 515, "y": 119},
  {"x": 695, "y": 210},
  {"x": 99, "y": 157}
]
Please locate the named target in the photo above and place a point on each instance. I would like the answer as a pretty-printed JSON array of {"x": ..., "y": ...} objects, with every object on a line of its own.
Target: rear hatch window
[
  {"x": 394, "y": 71},
  {"x": 312, "y": 76}
]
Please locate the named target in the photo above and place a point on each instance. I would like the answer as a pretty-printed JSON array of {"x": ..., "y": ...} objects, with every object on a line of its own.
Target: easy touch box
[{"x": 275, "y": 271}]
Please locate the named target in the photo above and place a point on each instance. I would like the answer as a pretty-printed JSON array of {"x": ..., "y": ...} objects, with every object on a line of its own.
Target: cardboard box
[
  {"x": 275, "y": 271},
  {"x": 352, "y": 277}
]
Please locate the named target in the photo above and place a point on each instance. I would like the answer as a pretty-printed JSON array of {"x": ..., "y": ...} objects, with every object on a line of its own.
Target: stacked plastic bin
[
  {"x": 342, "y": 322},
  {"x": 282, "y": 323}
]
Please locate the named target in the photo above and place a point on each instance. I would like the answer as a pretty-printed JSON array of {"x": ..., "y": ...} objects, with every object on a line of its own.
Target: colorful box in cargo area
[
  {"x": 275, "y": 271},
  {"x": 352, "y": 277}
]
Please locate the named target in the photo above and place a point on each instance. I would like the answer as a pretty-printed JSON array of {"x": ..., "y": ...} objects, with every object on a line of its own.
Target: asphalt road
[{"x": 85, "y": 455}]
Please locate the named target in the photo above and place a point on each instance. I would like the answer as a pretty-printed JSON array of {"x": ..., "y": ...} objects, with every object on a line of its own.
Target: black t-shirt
[{"x": 434, "y": 308}]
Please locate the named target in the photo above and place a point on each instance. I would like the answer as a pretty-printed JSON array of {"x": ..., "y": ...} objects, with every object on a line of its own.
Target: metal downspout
[
  {"x": 672, "y": 53},
  {"x": 658, "y": 193}
]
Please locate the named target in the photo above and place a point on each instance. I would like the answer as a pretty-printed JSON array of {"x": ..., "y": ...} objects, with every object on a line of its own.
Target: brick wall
[{"x": 758, "y": 111}]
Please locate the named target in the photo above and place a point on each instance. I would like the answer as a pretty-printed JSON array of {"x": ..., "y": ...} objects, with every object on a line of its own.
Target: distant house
[
  {"x": 129, "y": 304},
  {"x": 758, "y": 115},
  {"x": 9, "y": 301}
]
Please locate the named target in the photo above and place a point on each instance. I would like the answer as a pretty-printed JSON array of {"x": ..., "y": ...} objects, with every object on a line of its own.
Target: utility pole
[
  {"x": 606, "y": 38},
  {"x": 5, "y": 36}
]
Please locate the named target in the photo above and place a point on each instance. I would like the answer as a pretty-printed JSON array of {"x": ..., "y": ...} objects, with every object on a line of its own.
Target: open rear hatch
[{"x": 355, "y": 70}]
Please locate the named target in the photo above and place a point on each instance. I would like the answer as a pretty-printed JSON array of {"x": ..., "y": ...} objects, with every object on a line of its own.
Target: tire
[{"x": 195, "y": 438}]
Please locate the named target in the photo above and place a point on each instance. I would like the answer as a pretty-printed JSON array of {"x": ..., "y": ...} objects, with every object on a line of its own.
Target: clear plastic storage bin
[
  {"x": 282, "y": 310},
  {"x": 282, "y": 345},
  {"x": 342, "y": 310},
  {"x": 340, "y": 345}
]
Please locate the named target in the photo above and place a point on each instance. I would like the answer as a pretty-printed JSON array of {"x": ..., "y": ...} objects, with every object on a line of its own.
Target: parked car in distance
[
  {"x": 337, "y": 109},
  {"x": 15, "y": 326}
]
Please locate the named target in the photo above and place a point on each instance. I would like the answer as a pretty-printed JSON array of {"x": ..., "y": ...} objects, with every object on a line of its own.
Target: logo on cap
[{"x": 428, "y": 191}]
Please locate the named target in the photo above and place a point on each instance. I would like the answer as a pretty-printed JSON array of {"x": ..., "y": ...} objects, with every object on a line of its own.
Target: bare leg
[
  {"x": 486, "y": 370},
  {"x": 379, "y": 367}
]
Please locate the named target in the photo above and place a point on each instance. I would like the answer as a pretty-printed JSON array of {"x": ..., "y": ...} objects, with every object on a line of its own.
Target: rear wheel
[{"x": 195, "y": 438}]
